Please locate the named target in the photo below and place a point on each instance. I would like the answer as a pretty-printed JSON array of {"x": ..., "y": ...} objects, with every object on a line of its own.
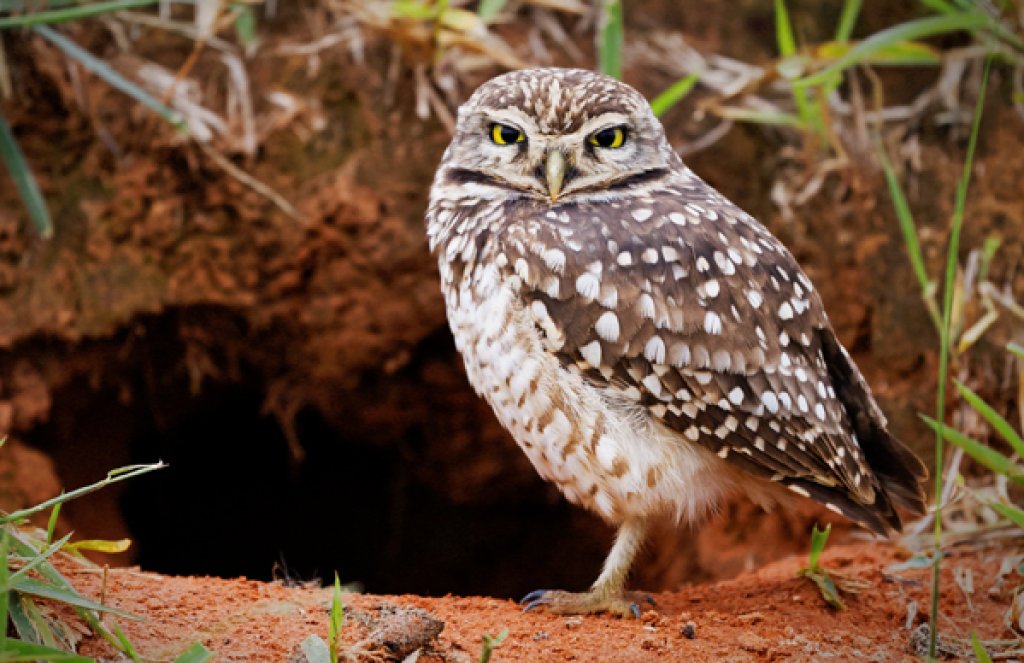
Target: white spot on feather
[
  {"x": 588, "y": 285},
  {"x": 607, "y": 326},
  {"x": 591, "y": 353}
]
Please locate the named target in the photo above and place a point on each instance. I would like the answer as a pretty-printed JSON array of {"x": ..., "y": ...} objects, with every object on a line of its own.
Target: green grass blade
[
  {"x": 245, "y": 25},
  {"x": 909, "y": 31},
  {"x": 24, "y": 181},
  {"x": 818, "y": 540},
  {"x": 786, "y": 43},
  {"x": 777, "y": 119},
  {"x": 33, "y": 563},
  {"x": 337, "y": 619},
  {"x": 1015, "y": 349},
  {"x": 489, "y": 9},
  {"x": 126, "y": 645},
  {"x": 5, "y": 594},
  {"x": 16, "y": 650},
  {"x": 45, "y": 590},
  {"x": 114, "y": 476},
  {"x": 1008, "y": 511},
  {"x": 22, "y": 624},
  {"x": 784, "y": 38},
  {"x": 673, "y": 94},
  {"x": 902, "y": 53},
  {"x": 848, "y": 19},
  {"x": 490, "y": 643},
  {"x": 610, "y": 49},
  {"x": 51, "y": 524},
  {"x": 41, "y": 624},
  {"x": 197, "y": 653},
  {"x": 994, "y": 419},
  {"x": 71, "y": 13},
  {"x": 910, "y": 240},
  {"x": 952, "y": 256},
  {"x": 114, "y": 78},
  {"x": 940, "y": 6},
  {"x": 981, "y": 453}
]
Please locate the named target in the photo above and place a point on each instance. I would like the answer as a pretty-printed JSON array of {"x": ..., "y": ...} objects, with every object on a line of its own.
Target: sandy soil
[{"x": 768, "y": 615}]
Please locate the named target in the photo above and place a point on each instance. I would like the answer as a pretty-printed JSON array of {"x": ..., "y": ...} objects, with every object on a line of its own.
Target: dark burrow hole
[{"x": 233, "y": 501}]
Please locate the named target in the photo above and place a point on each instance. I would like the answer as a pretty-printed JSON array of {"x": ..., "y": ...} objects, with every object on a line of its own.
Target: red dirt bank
[{"x": 769, "y": 615}]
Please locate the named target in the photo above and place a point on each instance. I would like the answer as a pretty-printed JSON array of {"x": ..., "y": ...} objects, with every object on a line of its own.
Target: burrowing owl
[{"x": 650, "y": 346}]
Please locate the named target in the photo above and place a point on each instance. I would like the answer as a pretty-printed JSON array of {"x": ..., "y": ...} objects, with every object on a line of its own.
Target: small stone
[
  {"x": 573, "y": 622},
  {"x": 541, "y": 635},
  {"x": 752, "y": 642},
  {"x": 689, "y": 630}
]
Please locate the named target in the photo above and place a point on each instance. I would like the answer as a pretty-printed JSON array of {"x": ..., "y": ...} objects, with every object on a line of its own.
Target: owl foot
[{"x": 622, "y": 604}]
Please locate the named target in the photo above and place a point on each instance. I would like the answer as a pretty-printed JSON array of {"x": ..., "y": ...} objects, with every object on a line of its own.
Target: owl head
[{"x": 559, "y": 135}]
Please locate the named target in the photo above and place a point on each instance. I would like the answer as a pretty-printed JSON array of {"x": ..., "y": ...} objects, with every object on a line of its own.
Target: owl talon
[
  {"x": 585, "y": 603},
  {"x": 532, "y": 598}
]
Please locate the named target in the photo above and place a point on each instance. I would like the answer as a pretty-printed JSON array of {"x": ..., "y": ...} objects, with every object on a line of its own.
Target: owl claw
[
  {"x": 585, "y": 603},
  {"x": 532, "y": 599}
]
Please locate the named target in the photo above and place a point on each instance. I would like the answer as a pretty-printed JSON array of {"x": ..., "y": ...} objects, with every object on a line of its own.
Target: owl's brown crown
[{"x": 561, "y": 100}]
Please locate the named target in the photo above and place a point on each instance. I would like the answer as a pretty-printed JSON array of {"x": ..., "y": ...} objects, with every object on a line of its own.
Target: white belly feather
[{"x": 607, "y": 455}]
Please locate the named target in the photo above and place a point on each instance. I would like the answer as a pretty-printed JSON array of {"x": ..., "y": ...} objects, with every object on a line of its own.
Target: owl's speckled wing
[{"x": 679, "y": 301}]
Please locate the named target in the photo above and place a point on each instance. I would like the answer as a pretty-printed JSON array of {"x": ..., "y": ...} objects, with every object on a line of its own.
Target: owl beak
[{"x": 554, "y": 173}]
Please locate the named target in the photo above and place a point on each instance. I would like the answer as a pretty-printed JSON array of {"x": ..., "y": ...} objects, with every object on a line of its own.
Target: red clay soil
[{"x": 768, "y": 615}]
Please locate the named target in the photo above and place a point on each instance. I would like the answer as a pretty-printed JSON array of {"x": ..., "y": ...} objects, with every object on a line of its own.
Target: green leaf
[
  {"x": 51, "y": 524},
  {"x": 24, "y": 181},
  {"x": 416, "y": 10},
  {"x": 611, "y": 35},
  {"x": 32, "y": 564},
  {"x": 126, "y": 645},
  {"x": 197, "y": 653},
  {"x": 315, "y": 650},
  {"x": 16, "y": 650},
  {"x": 979, "y": 649},
  {"x": 72, "y": 13},
  {"x": 760, "y": 117},
  {"x": 790, "y": 66},
  {"x": 848, "y": 19},
  {"x": 818, "y": 540},
  {"x": 245, "y": 24},
  {"x": 906, "y": 221},
  {"x": 940, "y": 6},
  {"x": 902, "y": 53},
  {"x": 784, "y": 38},
  {"x": 489, "y": 9},
  {"x": 22, "y": 624},
  {"x": 909, "y": 31},
  {"x": 110, "y": 75},
  {"x": 490, "y": 643},
  {"x": 69, "y": 596},
  {"x": 1008, "y": 511},
  {"x": 5, "y": 596},
  {"x": 673, "y": 94},
  {"x": 994, "y": 419},
  {"x": 981, "y": 453},
  {"x": 100, "y": 545},
  {"x": 337, "y": 619}
]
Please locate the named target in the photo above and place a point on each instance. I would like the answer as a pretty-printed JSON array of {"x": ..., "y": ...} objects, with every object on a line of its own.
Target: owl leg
[{"x": 607, "y": 594}]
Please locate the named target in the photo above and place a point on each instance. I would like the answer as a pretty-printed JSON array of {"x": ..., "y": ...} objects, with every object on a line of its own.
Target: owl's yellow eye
[
  {"x": 502, "y": 134},
  {"x": 611, "y": 137}
]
